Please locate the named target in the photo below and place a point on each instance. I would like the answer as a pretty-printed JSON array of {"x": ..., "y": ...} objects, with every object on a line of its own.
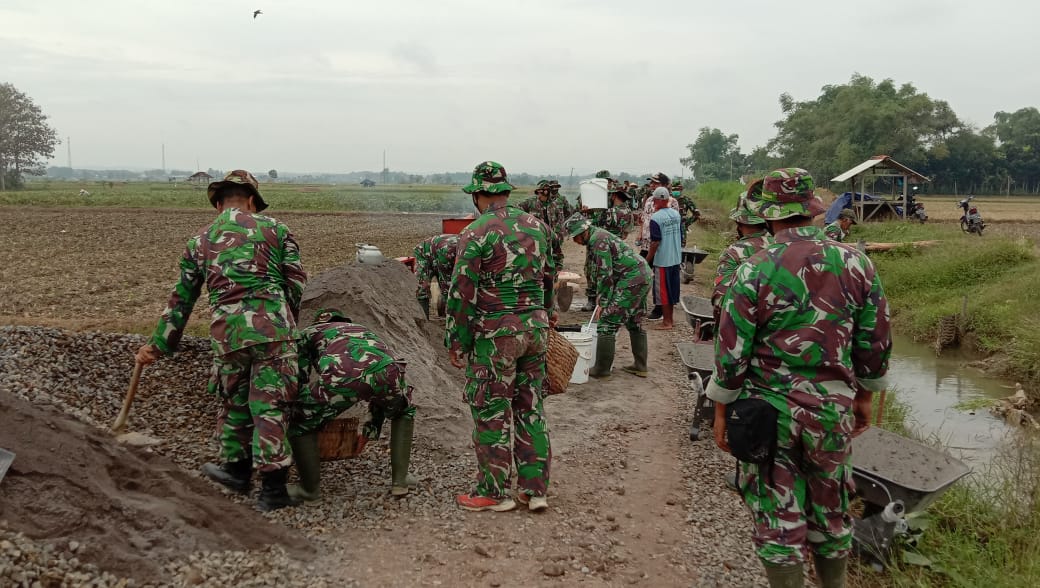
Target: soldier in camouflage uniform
[
  {"x": 687, "y": 208},
  {"x": 348, "y": 364},
  {"x": 752, "y": 237},
  {"x": 548, "y": 206},
  {"x": 805, "y": 328},
  {"x": 434, "y": 262},
  {"x": 497, "y": 318},
  {"x": 250, "y": 264},
  {"x": 839, "y": 229},
  {"x": 616, "y": 220},
  {"x": 622, "y": 284}
]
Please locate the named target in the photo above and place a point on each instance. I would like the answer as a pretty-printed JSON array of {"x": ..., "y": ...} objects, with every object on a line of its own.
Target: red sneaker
[{"x": 473, "y": 502}]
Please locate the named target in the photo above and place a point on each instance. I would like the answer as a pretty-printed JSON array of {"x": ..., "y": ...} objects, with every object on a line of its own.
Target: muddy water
[{"x": 933, "y": 386}]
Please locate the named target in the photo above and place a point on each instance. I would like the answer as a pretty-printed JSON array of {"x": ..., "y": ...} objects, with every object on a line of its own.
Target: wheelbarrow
[
  {"x": 691, "y": 256},
  {"x": 699, "y": 359},
  {"x": 700, "y": 315},
  {"x": 895, "y": 476}
]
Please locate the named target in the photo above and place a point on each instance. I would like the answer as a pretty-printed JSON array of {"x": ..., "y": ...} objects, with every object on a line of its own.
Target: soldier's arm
[
  {"x": 168, "y": 332},
  {"x": 872, "y": 337},
  {"x": 604, "y": 271},
  {"x": 292, "y": 271},
  {"x": 423, "y": 271},
  {"x": 735, "y": 335},
  {"x": 462, "y": 296}
]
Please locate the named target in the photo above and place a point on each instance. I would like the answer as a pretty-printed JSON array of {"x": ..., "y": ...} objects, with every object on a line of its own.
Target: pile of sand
[
  {"x": 382, "y": 298},
  {"x": 132, "y": 511}
]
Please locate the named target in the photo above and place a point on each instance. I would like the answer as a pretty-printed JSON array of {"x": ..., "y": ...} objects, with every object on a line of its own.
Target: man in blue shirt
[{"x": 665, "y": 254}]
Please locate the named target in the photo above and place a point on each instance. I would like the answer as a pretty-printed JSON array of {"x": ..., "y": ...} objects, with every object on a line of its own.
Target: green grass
[{"x": 724, "y": 193}]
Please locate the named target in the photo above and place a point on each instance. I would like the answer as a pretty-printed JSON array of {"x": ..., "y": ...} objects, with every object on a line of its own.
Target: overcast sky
[{"x": 541, "y": 86}]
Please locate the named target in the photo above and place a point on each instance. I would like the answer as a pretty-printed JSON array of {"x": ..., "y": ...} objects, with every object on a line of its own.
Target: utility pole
[
  {"x": 570, "y": 182},
  {"x": 68, "y": 145},
  {"x": 164, "y": 159}
]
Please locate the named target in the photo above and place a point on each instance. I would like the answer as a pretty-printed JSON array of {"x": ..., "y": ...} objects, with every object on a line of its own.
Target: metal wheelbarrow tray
[
  {"x": 699, "y": 359},
  {"x": 889, "y": 467},
  {"x": 700, "y": 315}
]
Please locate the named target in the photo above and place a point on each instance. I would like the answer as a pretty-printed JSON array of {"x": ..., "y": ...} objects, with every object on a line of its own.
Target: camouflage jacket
[
  {"x": 804, "y": 326},
  {"x": 616, "y": 220},
  {"x": 688, "y": 209},
  {"x": 250, "y": 264},
  {"x": 730, "y": 259},
  {"x": 615, "y": 266},
  {"x": 498, "y": 286},
  {"x": 834, "y": 232},
  {"x": 434, "y": 262},
  {"x": 553, "y": 212},
  {"x": 342, "y": 352}
]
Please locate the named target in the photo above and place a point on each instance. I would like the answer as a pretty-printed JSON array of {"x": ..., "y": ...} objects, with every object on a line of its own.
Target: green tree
[
  {"x": 849, "y": 123},
  {"x": 26, "y": 140},
  {"x": 965, "y": 162},
  {"x": 273, "y": 174},
  {"x": 714, "y": 156},
  {"x": 1019, "y": 136}
]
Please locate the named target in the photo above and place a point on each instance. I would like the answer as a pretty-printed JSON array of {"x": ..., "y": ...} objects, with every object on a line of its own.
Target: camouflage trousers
[
  {"x": 385, "y": 390},
  {"x": 504, "y": 388},
  {"x": 590, "y": 278},
  {"x": 255, "y": 385},
  {"x": 626, "y": 307},
  {"x": 806, "y": 505}
]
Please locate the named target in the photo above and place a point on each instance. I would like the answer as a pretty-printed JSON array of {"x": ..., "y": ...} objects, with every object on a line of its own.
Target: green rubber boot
[
  {"x": 640, "y": 351},
  {"x": 308, "y": 466},
  {"x": 424, "y": 303},
  {"x": 604, "y": 356},
  {"x": 791, "y": 576},
  {"x": 831, "y": 571},
  {"x": 401, "y": 429}
]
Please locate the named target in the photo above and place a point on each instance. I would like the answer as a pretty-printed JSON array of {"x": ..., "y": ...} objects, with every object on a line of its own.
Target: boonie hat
[
  {"x": 576, "y": 224},
  {"x": 490, "y": 177},
  {"x": 743, "y": 213},
  {"x": 661, "y": 193},
  {"x": 660, "y": 178},
  {"x": 849, "y": 214},
  {"x": 242, "y": 178},
  {"x": 786, "y": 193},
  {"x": 543, "y": 185}
]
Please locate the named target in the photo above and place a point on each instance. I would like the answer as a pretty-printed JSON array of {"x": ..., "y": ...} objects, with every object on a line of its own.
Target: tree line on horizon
[{"x": 849, "y": 123}]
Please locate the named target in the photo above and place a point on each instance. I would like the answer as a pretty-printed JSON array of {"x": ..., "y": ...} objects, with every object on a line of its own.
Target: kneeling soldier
[{"x": 350, "y": 364}]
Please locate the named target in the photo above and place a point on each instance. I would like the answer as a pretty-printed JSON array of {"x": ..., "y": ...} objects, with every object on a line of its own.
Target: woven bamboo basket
[
  {"x": 338, "y": 439},
  {"x": 560, "y": 358}
]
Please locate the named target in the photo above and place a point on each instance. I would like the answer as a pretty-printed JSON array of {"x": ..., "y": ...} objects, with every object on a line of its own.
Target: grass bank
[{"x": 722, "y": 194}]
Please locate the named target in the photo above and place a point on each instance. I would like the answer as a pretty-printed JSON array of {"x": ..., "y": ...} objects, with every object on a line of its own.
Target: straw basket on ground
[
  {"x": 560, "y": 358},
  {"x": 338, "y": 439}
]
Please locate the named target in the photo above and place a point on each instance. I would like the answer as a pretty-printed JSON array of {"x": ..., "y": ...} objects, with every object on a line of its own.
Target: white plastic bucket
[
  {"x": 583, "y": 344},
  {"x": 594, "y": 193},
  {"x": 590, "y": 330}
]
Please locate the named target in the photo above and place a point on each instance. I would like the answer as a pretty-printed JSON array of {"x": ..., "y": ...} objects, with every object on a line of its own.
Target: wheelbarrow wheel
[
  {"x": 695, "y": 432},
  {"x": 686, "y": 268}
]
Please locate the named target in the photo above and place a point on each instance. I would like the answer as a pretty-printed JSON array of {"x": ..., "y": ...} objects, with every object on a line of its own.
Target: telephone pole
[
  {"x": 164, "y": 159},
  {"x": 68, "y": 145}
]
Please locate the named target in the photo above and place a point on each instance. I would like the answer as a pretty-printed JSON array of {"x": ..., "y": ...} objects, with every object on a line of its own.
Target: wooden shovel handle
[{"x": 130, "y": 393}]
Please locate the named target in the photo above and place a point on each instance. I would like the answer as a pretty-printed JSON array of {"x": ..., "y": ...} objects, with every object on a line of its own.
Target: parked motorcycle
[
  {"x": 971, "y": 220},
  {"x": 917, "y": 212}
]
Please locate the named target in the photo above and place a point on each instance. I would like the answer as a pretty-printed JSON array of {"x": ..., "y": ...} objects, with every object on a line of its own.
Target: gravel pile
[{"x": 28, "y": 563}]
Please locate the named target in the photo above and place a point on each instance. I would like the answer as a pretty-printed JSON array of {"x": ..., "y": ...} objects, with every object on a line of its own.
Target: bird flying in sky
[{"x": 256, "y": 13}]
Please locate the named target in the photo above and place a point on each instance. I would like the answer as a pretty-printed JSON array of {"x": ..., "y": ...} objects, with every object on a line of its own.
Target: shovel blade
[{"x": 6, "y": 457}]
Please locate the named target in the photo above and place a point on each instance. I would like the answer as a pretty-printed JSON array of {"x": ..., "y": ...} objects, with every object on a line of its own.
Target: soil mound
[
  {"x": 382, "y": 297},
  {"x": 130, "y": 511}
]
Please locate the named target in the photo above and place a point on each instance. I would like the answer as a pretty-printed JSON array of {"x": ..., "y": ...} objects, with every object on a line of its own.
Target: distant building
[
  {"x": 200, "y": 177},
  {"x": 367, "y": 183}
]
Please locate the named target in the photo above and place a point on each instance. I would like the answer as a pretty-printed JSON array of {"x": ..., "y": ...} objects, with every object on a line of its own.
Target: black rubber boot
[
  {"x": 401, "y": 430},
  {"x": 656, "y": 314},
  {"x": 233, "y": 475},
  {"x": 308, "y": 467},
  {"x": 792, "y": 576},
  {"x": 590, "y": 301},
  {"x": 442, "y": 306},
  {"x": 604, "y": 356},
  {"x": 830, "y": 571},
  {"x": 640, "y": 351},
  {"x": 424, "y": 303},
  {"x": 273, "y": 494}
]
